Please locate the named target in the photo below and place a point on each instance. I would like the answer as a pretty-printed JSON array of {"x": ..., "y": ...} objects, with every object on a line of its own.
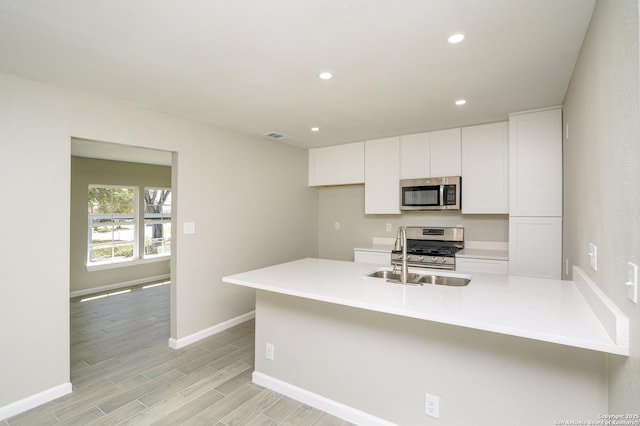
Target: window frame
[
  {"x": 92, "y": 265},
  {"x": 163, "y": 220}
]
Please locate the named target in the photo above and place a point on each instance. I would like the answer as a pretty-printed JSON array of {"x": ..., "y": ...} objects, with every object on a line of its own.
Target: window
[
  {"x": 112, "y": 224},
  {"x": 157, "y": 222}
]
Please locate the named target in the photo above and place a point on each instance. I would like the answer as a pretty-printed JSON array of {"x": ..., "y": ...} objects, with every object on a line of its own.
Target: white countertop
[
  {"x": 541, "y": 309},
  {"x": 479, "y": 253},
  {"x": 378, "y": 248},
  {"x": 379, "y": 245}
]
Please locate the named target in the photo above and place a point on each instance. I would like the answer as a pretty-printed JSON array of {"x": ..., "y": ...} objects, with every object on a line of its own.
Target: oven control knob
[
  {"x": 408, "y": 257},
  {"x": 420, "y": 258}
]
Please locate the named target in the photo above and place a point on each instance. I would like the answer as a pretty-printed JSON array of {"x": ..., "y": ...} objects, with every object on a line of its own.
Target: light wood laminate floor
[{"x": 124, "y": 373}]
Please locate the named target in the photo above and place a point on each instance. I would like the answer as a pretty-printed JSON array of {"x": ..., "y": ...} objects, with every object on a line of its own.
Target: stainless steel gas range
[{"x": 431, "y": 247}]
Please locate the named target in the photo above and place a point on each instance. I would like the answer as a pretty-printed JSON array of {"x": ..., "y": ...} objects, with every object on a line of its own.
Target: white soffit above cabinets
[{"x": 253, "y": 65}]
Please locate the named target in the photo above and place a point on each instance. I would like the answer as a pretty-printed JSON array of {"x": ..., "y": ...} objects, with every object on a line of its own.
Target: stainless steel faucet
[{"x": 401, "y": 244}]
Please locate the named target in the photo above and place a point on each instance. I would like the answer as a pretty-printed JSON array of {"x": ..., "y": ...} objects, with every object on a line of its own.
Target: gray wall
[
  {"x": 236, "y": 188},
  {"x": 87, "y": 171},
  {"x": 602, "y": 173},
  {"x": 345, "y": 204},
  {"x": 481, "y": 378}
]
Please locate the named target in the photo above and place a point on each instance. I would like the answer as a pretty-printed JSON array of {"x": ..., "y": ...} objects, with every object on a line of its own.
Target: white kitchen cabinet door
[
  {"x": 485, "y": 169},
  {"x": 535, "y": 246},
  {"x": 535, "y": 158},
  {"x": 415, "y": 162},
  {"x": 374, "y": 257},
  {"x": 445, "y": 153},
  {"x": 382, "y": 176},
  {"x": 430, "y": 154},
  {"x": 469, "y": 266},
  {"x": 323, "y": 169},
  {"x": 337, "y": 165}
]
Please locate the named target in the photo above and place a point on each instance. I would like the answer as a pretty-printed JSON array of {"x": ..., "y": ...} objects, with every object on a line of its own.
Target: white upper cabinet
[
  {"x": 382, "y": 176},
  {"x": 485, "y": 169},
  {"x": 415, "y": 160},
  {"x": 431, "y": 154},
  {"x": 535, "y": 152},
  {"x": 445, "y": 153},
  {"x": 337, "y": 165}
]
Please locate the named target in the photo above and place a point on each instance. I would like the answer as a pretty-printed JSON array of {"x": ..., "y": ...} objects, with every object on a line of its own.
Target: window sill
[{"x": 127, "y": 263}]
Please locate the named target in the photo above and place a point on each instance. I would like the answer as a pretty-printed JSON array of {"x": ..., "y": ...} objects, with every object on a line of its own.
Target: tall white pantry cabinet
[{"x": 535, "y": 193}]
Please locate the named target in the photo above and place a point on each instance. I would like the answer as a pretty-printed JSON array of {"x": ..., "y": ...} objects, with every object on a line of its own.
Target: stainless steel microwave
[{"x": 442, "y": 193}]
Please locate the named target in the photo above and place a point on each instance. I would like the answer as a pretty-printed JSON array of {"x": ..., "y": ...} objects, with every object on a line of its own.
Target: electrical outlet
[
  {"x": 566, "y": 267},
  {"x": 336, "y": 226},
  {"x": 431, "y": 405},
  {"x": 388, "y": 227},
  {"x": 593, "y": 256},
  {"x": 269, "y": 350}
]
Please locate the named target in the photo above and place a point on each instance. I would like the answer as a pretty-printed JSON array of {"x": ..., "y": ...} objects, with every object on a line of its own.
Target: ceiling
[{"x": 252, "y": 65}]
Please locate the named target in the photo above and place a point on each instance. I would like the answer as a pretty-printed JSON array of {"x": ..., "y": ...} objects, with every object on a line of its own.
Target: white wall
[
  {"x": 481, "y": 378},
  {"x": 602, "y": 173},
  {"x": 34, "y": 285},
  {"x": 236, "y": 188},
  {"x": 345, "y": 204}
]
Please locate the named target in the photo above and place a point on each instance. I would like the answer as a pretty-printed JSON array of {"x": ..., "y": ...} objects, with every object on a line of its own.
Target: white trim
[
  {"x": 128, "y": 262},
  {"x": 78, "y": 293},
  {"x": 320, "y": 402},
  {"x": 612, "y": 318},
  {"x": 34, "y": 400},
  {"x": 202, "y": 334}
]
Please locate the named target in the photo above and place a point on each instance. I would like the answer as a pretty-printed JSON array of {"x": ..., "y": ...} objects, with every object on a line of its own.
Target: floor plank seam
[{"x": 123, "y": 372}]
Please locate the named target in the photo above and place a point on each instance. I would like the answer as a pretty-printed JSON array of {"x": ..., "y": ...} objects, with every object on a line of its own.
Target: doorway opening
[{"x": 122, "y": 223}]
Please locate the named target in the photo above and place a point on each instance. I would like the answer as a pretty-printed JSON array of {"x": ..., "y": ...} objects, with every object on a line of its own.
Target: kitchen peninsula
[{"x": 368, "y": 350}]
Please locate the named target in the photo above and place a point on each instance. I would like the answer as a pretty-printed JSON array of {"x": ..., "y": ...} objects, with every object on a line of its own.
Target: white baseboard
[
  {"x": 33, "y": 401},
  {"x": 327, "y": 405},
  {"x": 202, "y": 334},
  {"x": 78, "y": 293}
]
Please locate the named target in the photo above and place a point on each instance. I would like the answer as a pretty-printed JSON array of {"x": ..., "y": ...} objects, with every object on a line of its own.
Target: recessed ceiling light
[
  {"x": 315, "y": 129},
  {"x": 461, "y": 101},
  {"x": 325, "y": 75},
  {"x": 455, "y": 38}
]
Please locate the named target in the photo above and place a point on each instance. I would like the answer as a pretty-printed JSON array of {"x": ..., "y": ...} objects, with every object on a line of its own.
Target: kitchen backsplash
[{"x": 342, "y": 207}]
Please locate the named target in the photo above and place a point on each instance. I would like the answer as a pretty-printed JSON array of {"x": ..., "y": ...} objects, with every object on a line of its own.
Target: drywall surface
[
  {"x": 602, "y": 173},
  {"x": 34, "y": 276},
  {"x": 345, "y": 205},
  {"x": 90, "y": 171},
  {"x": 384, "y": 364},
  {"x": 247, "y": 197}
]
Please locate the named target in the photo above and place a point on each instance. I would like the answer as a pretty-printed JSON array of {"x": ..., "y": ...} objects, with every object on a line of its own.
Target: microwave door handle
[{"x": 441, "y": 195}]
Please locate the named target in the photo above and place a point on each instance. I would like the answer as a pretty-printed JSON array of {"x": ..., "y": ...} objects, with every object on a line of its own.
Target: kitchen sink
[
  {"x": 414, "y": 278},
  {"x": 394, "y": 276},
  {"x": 443, "y": 280}
]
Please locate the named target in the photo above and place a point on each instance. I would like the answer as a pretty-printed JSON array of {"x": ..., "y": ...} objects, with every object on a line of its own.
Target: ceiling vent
[{"x": 275, "y": 135}]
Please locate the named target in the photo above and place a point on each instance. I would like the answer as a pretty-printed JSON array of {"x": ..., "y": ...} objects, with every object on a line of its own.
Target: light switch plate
[
  {"x": 593, "y": 256},
  {"x": 632, "y": 282},
  {"x": 189, "y": 228}
]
